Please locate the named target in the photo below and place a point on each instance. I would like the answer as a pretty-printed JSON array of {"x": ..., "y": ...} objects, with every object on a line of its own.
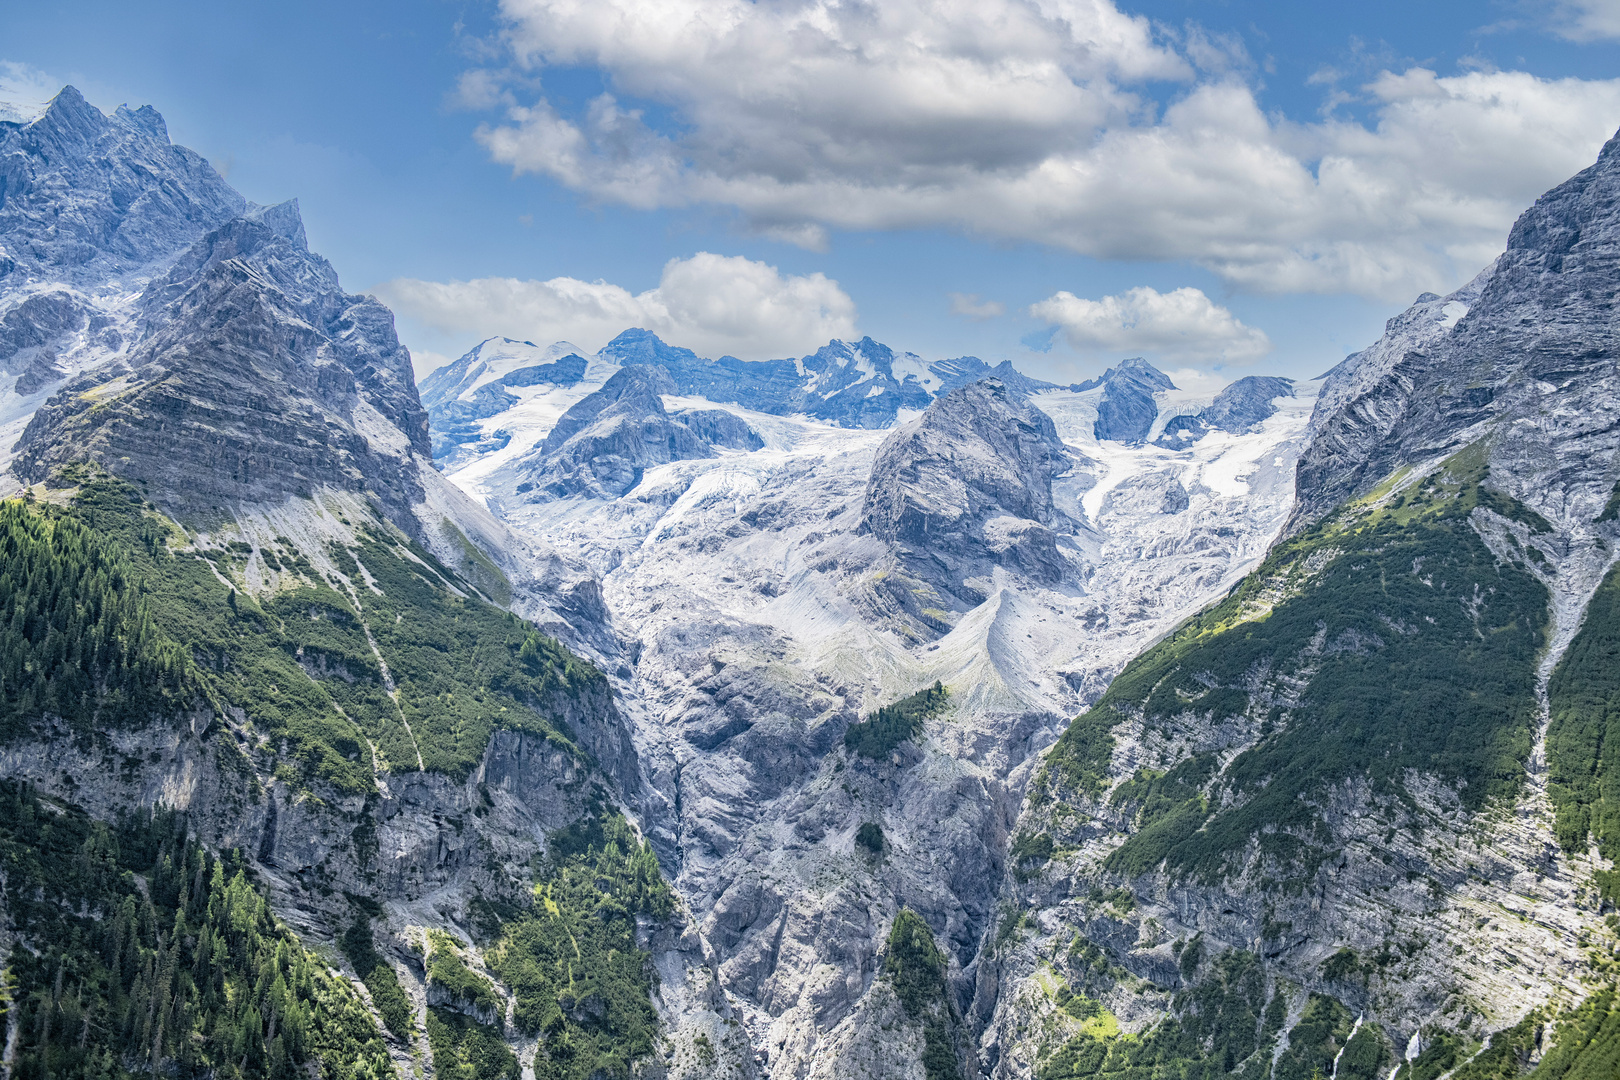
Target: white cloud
[
  {"x": 481, "y": 88},
  {"x": 1024, "y": 120},
  {"x": 711, "y": 304},
  {"x": 1181, "y": 325},
  {"x": 24, "y": 91},
  {"x": 969, "y": 305},
  {"x": 1587, "y": 20}
]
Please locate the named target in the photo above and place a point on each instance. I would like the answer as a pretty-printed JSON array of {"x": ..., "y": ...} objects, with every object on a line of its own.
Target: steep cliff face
[
  {"x": 1529, "y": 338},
  {"x": 78, "y": 204},
  {"x": 247, "y": 596},
  {"x": 1305, "y": 808},
  {"x": 256, "y": 380},
  {"x": 964, "y": 488},
  {"x": 85, "y": 222}
]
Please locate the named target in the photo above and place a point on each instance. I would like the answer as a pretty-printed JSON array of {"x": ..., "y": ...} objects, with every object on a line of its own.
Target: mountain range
[{"x": 634, "y": 713}]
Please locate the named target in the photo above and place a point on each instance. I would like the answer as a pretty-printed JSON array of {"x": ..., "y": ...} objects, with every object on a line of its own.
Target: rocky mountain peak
[
  {"x": 1127, "y": 409},
  {"x": 241, "y": 372},
  {"x": 606, "y": 441},
  {"x": 1139, "y": 372},
  {"x": 498, "y": 359},
  {"x": 636, "y": 390},
  {"x": 967, "y": 486},
  {"x": 86, "y": 197},
  {"x": 1530, "y": 337},
  {"x": 69, "y": 126}
]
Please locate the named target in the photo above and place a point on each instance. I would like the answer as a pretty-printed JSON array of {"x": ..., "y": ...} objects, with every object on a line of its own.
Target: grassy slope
[
  {"x": 1226, "y": 1026},
  {"x": 1418, "y": 651},
  {"x": 1583, "y": 737},
  {"x": 298, "y": 661}
]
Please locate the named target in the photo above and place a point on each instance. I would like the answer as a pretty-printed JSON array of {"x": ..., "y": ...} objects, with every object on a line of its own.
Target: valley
[{"x": 635, "y": 713}]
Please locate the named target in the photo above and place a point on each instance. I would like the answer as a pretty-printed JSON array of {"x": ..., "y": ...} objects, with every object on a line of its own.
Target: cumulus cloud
[
  {"x": 970, "y": 306},
  {"x": 1028, "y": 120},
  {"x": 712, "y": 304},
  {"x": 1181, "y": 325},
  {"x": 1587, "y": 20}
]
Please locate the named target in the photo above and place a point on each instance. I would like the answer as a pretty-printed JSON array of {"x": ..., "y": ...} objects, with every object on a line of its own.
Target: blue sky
[{"x": 1237, "y": 187}]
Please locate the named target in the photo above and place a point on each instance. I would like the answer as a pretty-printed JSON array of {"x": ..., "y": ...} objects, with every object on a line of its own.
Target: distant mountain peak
[
  {"x": 283, "y": 219},
  {"x": 1138, "y": 370},
  {"x": 1127, "y": 410}
]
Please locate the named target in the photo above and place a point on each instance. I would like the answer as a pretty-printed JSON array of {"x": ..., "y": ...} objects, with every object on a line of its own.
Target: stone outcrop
[
  {"x": 1238, "y": 409},
  {"x": 602, "y": 446},
  {"x": 969, "y": 484},
  {"x": 1127, "y": 409}
]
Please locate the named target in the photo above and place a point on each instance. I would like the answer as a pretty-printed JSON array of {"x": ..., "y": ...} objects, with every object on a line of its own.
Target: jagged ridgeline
[
  {"x": 383, "y": 660},
  {"x": 1385, "y": 640},
  {"x": 137, "y": 952}
]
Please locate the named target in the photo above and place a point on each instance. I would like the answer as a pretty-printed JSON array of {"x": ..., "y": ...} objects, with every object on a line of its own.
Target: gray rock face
[
  {"x": 1239, "y": 408},
  {"x": 1127, "y": 409},
  {"x": 91, "y": 208},
  {"x": 215, "y": 359},
  {"x": 38, "y": 321},
  {"x": 258, "y": 379},
  {"x": 1528, "y": 338},
  {"x": 765, "y": 620},
  {"x": 77, "y": 199},
  {"x": 605, "y": 442},
  {"x": 970, "y": 483}
]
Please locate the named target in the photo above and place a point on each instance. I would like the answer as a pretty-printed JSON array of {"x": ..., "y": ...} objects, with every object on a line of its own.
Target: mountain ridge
[{"x": 1254, "y": 735}]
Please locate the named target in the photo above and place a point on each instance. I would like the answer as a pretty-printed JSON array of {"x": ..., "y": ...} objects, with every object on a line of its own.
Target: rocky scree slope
[
  {"x": 238, "y": 591},
  {"x": 1350, "y": 820}
]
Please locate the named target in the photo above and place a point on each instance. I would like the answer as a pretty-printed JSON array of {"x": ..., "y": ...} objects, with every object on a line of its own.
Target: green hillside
[
  {"x": 139, "y": 952},
  {"x": 115, "y": 617},
  {"x": 1414, "y": 648}
]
